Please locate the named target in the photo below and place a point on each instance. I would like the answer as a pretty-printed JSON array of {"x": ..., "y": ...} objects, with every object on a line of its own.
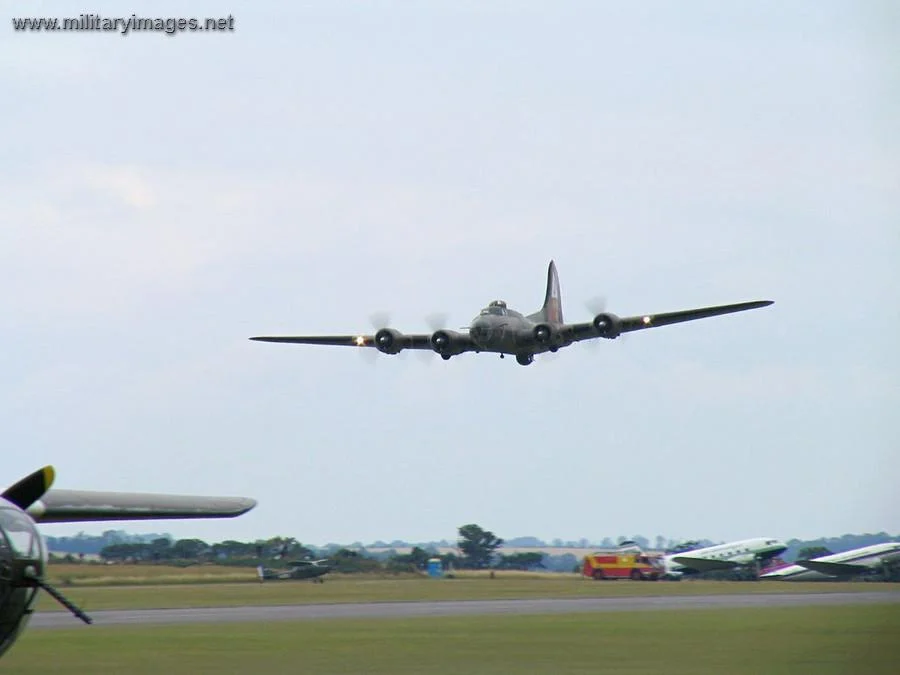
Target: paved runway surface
[{"x": 455, "y": 608}]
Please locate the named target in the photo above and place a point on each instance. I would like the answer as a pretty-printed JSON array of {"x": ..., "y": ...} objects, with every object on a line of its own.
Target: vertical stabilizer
[{"x": 552, "y": 309}]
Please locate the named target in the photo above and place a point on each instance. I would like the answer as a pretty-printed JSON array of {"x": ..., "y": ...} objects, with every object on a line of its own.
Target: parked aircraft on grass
[
  {"x": 502, "y": 330},
  {"x": 840, "y": 566},
  {"x": 299, "y": 569},
  {"x": 747, "y": 553},
  {"x": 23, "y": 558}
]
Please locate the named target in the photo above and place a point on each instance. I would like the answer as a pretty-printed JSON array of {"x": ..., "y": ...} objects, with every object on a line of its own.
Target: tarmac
[{"x": 397, "y": 610}]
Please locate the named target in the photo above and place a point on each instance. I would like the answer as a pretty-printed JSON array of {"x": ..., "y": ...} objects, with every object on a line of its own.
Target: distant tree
[
  {"x": 161, "y": 549},
  {"x": 416, "y": 559},
  {"x": 285, "y": 548},
  {"x": 123, "y": 552},
  {"x": 477, "y": 546},
  {"x": 450, "y": 561},
  {"x": 349, "y": 562},
  {"x": 189, "y": 549},
  {"x": 521, "y": 561},
  {"x": 810, "y": 552},
  {"x": 232, "y": 549}
]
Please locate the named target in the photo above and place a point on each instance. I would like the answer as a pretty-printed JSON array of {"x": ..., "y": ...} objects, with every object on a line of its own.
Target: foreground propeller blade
[{"x": 31, "y": 488}]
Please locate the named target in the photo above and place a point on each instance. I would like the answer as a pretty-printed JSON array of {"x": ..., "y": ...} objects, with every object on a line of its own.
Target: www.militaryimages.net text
[{"x": 88, "y": 23}]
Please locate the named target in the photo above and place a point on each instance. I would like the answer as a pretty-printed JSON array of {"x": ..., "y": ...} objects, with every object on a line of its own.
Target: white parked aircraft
[
  {"x": 728, "y": 556},
  {"x": 844, "y": 565}
]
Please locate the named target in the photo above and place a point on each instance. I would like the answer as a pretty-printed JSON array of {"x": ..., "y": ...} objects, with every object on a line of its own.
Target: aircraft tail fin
[{"x": 552, "y": 309}]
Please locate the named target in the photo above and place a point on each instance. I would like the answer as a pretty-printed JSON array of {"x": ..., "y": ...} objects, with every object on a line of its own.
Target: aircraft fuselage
[{"x": 510, "y": 334}]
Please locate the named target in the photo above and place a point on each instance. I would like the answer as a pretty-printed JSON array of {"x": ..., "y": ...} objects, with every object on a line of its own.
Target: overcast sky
[{"x": 163, "y": 198}]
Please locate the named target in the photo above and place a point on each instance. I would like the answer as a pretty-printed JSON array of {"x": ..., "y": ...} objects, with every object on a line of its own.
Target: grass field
[
  {"x": 821, "y": 640},
  {"x": 357, "y": 588}
]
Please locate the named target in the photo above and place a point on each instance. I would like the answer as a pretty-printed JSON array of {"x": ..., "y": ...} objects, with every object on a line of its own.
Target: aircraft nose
[{"x": 479, "y": 331}]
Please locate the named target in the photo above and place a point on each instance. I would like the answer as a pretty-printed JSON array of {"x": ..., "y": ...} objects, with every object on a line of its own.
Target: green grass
[
  {"x": 66, "y": 574},
  {"x": 367, "y": 589},
  {"x": 821, "y": 640}
]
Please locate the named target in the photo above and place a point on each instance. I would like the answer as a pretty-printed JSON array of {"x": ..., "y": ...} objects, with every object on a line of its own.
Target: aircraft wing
[
  {"x": 704, "y": 564},
  {"x": 402, "y": 340},
  {"x": 409, "y": 341},
  {"x": 587, "y": 330},
  {"x": 64, "y": 506},
  {"x": 833, "y": 568}
]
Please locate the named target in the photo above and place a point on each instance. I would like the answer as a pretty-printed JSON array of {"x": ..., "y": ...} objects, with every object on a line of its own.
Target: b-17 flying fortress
[{"x": 501, "y": 330}]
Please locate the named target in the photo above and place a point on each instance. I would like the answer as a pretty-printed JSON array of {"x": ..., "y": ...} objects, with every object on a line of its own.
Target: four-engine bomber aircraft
[
  {"x": 23, "y": 558},
  {"x": 502, "y": 330}
]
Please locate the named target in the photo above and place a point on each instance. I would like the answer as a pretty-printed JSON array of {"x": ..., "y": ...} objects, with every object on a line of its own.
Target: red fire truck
[{"x": 636, "y": 566}]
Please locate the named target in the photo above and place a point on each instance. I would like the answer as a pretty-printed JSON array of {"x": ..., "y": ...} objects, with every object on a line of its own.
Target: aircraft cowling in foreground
[
  {"x": 23, "y": 557},
  {"x": 501, "y": 330}
]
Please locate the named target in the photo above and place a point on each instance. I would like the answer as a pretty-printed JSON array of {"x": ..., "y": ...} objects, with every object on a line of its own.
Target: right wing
[
  {"x": 614, "y": 325},
  {"x": 836, "y": 569},
  {"x": 66, "y": 506}
]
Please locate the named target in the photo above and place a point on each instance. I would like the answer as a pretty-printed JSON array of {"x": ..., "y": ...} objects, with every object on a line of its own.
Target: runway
[{"x": 397, "y": 610}]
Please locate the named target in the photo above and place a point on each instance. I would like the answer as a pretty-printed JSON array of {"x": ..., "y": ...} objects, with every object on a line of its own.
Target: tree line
[{"x": 476, "y": 548}]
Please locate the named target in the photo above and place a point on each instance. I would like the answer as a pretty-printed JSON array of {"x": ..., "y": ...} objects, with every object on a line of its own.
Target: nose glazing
[{"x": 480, "y": 332}]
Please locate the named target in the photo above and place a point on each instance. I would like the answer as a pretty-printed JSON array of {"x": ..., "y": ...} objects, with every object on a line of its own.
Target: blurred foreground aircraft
[
  {"x": 501, "y": 330},
  {"x": 23, "y": 558}
]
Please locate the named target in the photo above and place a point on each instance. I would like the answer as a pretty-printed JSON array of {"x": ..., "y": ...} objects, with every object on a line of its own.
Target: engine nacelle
[
  {"x": 546, "y": 335},
  {"x": 607, "y": 325},
  {"x": 389, "y": 341},
  {"x": 446, "y": 342}
]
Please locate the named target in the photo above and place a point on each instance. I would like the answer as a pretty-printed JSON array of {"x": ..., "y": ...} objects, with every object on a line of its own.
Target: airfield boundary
[{"x": 357, "y": 588}]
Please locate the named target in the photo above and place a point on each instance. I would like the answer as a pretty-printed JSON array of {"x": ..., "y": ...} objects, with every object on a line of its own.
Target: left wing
[
  {"x": 611, "y": 326},
  {"x": 833, "y": 568},
  {"x": 406, "y": 341},
  {"x": 386, "y": 340},
  {"x": 64, "y": 506},
  {"x": 705, "y": 564}
]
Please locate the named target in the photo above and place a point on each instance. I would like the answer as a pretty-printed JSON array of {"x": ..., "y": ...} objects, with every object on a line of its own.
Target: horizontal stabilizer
[
  {"x": 704, "y": 564},
  {"x": 63, "y": 506},
  {"x": 836, "y": 569}
]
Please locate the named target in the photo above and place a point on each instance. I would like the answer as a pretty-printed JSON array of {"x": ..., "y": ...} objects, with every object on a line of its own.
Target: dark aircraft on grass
[
  {"x": 23, "y": 558},
  {"x": 504, "y": 331},
  {"x": 299, "y": 569}
]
